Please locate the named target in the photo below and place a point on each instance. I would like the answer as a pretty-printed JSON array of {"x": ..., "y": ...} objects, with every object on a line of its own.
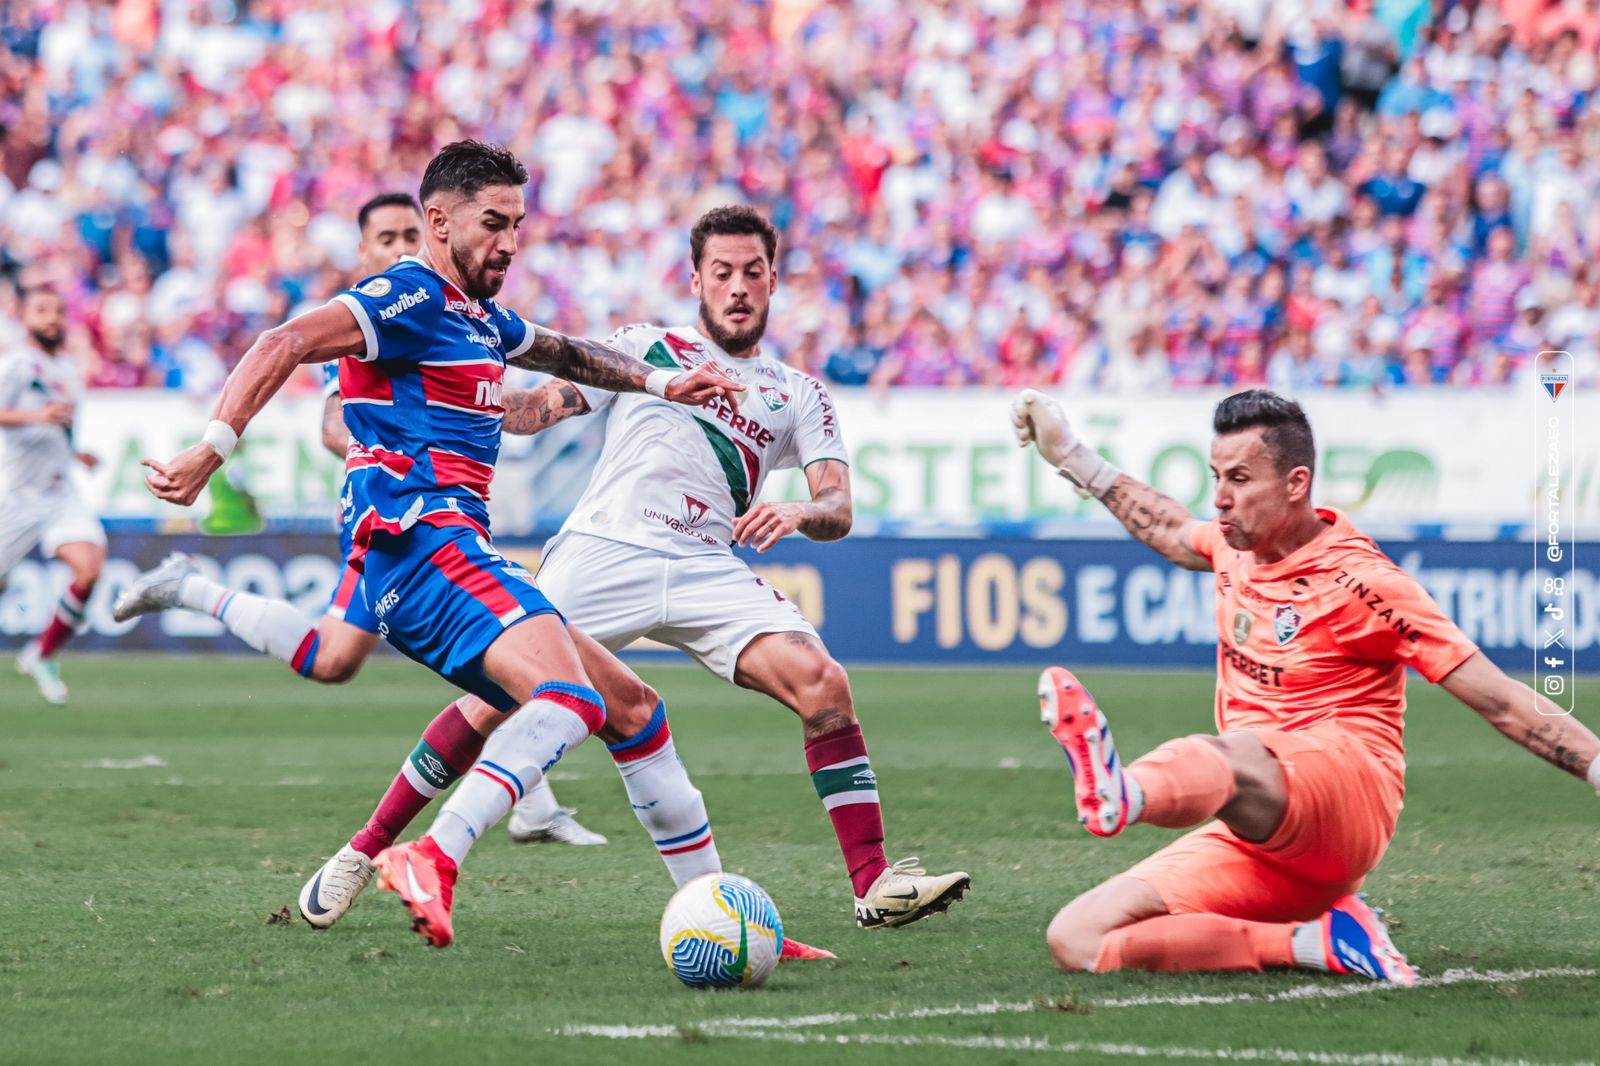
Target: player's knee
[
  {"x": 630, "y": 709},
  {"x": 1254, "y": 767},
  {"x": 335, "y": 668},
  {"x": 823, "y": 687},
  {"x": 1073, "y": 940},
  {"x": 85, "y": 568}
]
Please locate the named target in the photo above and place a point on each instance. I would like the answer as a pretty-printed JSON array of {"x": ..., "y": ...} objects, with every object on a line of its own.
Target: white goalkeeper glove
[{"x": 1038, "y": 420}]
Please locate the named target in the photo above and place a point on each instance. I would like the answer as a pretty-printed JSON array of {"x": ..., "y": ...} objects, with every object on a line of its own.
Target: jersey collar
[
  {"x": 1336, "y": 528},
  {"x": 713, "y": 348},
  {"x": 455, "y": 299}
]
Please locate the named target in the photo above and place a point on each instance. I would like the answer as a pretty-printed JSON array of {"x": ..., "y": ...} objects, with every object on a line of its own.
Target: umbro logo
[{"x": 432, "y": 768}]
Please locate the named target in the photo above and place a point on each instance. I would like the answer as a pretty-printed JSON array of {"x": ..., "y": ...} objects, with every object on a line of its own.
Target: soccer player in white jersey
[
  {"x": 647, "y": 553},
  {"x": 39, "y": 390}
]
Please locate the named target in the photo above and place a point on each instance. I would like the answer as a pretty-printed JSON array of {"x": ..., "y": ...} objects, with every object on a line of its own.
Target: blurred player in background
[
  {"x": 1306, "y": 776},
  {"x": 39, "y": 390},
  {"x": 647, "y": 553},
  {"x": 347, "y": 632}
]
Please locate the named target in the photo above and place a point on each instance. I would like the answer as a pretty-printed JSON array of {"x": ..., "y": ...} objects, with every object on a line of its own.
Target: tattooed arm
[
  {"x": 1525, "y": 717},
  {"x": 601, "y": 366},
  {"x": 1155, "y": 520},
  {"x": 583, "y": 360},
  {"x": 530, "y": 410}
]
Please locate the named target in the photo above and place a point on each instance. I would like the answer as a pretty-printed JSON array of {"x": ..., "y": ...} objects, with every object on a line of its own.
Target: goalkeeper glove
[{"x": 1038, "y": 420}]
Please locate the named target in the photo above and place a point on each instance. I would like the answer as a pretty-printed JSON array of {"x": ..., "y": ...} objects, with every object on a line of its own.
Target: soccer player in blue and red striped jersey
[
  {"x": 331, "y": 648},
  {"x": 423, "y": 348}
]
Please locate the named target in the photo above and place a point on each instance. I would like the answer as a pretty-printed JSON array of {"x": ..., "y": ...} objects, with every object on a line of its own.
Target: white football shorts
[
  {"x": 49, "y": 521},
  {"x": 709, "y": 606}
]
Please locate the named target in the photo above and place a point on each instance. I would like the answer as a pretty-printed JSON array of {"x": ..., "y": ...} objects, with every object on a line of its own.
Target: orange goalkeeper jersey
[{"x": 1322, "y": 637}]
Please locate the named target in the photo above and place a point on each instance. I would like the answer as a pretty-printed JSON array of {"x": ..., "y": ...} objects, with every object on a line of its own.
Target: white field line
[
  {"x": 140, "y": 762},
  {"x": 1324, "y": 990},
  {"x": 1098, "y": 1049}
]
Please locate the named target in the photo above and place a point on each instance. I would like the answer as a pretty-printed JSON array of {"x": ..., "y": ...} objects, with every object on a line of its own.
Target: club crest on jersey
[
  {"x": 775, "y": 399},
  {"x": 376, "y": 288},
  {"x": 695, "y": 511},
  {"x": 1285, "y": 622},
  {"x": 1241, "y": 626}
]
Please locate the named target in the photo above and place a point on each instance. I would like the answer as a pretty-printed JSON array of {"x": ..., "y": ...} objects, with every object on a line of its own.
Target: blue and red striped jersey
[{"x": 422, "y": 402}]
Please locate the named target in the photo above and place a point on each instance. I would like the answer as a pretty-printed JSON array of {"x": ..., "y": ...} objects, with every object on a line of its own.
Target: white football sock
[
  {"x": 274, "y": 626},
  {"x": 511, "y": 767},
  {"x": 668, "y": 805},
  {"x": 539, "y": 806},
  {"x": 1135, "y": 796},
  {"x": 1307, "y": 943}
]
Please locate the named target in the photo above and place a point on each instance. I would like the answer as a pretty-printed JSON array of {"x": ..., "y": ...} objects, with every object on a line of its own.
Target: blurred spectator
[{"x": 1181, "y": 194}]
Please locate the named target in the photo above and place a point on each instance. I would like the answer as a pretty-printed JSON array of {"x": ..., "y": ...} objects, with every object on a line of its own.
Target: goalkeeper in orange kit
[{"x": 1301, "y": 788}]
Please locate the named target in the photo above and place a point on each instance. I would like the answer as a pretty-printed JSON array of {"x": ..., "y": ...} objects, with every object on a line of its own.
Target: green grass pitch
[{"x": 150, "y": 831}]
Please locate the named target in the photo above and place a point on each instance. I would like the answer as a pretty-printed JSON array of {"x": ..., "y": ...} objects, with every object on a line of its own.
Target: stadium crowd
[{"x": 1091, "y": 192}]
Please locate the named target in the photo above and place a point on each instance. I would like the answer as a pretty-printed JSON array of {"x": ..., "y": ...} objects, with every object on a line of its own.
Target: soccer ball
[{"x": 721, "y": 931}]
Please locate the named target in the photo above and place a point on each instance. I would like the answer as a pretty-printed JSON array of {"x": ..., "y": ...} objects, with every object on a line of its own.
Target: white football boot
[
  {"x": 562, "y": 828},
  {"x": 46, "y": 673},
  {"x": 905, "y": 892},
  {"x": 333, "y": 888},
  {"x": 154, "y": 590}
]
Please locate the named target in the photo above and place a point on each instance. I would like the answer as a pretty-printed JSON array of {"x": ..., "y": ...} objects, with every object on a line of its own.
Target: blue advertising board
[{"x": 980, "y": 600}]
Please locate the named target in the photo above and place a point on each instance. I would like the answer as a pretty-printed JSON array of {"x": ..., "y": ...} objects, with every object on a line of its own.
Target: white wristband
[
  {"x": 220, "y": 438},
  {"x": 1594, "y": 774},
  {"x": 1086, "y": 468},
  {"x": 658, "y": 380}
]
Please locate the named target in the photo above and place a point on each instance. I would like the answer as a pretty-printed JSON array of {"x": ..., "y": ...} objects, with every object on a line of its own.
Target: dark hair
[
  {"x": 384, "y": 199},
  {"x": 467, "y": 166},
  {"x": 732, "y": 221},
  {"x": 1284, "y": 428},
  {"x": 38, "y": 288}
]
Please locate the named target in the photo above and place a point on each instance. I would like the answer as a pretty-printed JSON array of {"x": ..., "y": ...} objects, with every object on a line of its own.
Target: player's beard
[
  {"x": 475, "y": 280},
  {"x": 734, "y": 341},
  {"x": 48, "y": 342}
]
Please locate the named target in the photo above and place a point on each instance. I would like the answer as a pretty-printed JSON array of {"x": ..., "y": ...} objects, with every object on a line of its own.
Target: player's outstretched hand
[
  {"x": 89, "y": 460},
  {"x": 181, "y": 480},
  {"x": 1039, "y": 420},
  {"x": 701, "y": 384},
  {"x": 766, "y": 523}
]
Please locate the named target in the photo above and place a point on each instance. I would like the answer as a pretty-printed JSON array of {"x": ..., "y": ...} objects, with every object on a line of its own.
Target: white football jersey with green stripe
[
  {"x": 37, "y": 457},
  {"x": 673, "y": 478}
]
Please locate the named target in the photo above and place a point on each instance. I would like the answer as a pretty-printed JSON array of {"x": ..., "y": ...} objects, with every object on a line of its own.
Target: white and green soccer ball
[{"x": 721, "y": 931}]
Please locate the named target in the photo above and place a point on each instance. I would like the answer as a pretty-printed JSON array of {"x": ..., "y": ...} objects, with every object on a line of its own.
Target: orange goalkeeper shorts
[{"x": 1341, "y": 814}]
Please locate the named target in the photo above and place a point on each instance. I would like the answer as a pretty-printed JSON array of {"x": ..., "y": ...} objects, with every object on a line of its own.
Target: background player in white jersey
[
  {"x": 647, "y": 553},
  {"x": 39, "y": 390}
]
